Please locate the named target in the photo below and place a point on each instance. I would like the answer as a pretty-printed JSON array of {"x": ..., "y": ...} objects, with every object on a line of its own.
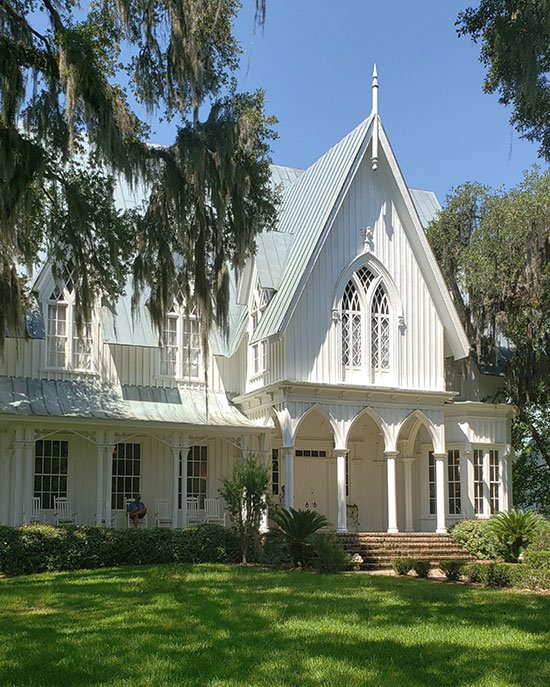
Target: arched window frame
[
  {"x": 368, "y": 372},
  {"x": 66, "y": 348}
]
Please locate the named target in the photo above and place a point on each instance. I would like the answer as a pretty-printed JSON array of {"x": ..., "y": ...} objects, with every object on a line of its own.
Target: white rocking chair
[
  {"x": 212, "y": 512},
  {"x": 163, "y": 513},
  {"x": 37, "y": 514},
  {"x": 63, "y": 511},
  {"x": 193, "y": 513},
  {"x": 142, "y": 522}
]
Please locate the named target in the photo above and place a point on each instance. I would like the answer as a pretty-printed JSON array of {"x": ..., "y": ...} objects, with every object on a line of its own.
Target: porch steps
[{"x": 378, "y": 549}]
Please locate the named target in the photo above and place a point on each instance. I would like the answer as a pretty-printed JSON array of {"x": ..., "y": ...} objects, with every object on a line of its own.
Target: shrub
[
  {"x": 541, "y": 538},
  {"x": 534, "y": 578},
  {"x": 452, "y": 569},
  {"x": 296, "y": 527},
  {"x": 402, "y": 566},
  {"x": 476, "y": 537},
  {"x": 495, "y": 574},
  {"x": 540, "y": 560},
  {"x": 329, "y": 554},
  {"x": 40, "y": 548},
  {"x": 514, "y": 531},
  {"x": 422, "y": 568}
]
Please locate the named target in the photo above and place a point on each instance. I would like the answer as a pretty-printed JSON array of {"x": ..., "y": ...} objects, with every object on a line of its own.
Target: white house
[{"x": 339, "y": 373}]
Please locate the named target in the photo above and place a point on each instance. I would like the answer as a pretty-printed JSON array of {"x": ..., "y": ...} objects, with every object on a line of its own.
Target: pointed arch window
[
  {"x": 365, "y": 325},
  {"x": 66, "y": 347}
]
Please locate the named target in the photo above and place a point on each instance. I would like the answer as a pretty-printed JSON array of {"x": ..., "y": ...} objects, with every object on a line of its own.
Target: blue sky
[{"x": 315, "y": 61}]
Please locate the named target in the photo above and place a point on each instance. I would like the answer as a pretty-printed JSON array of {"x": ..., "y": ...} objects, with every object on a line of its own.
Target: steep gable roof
[{"x": 309, "y": 207}]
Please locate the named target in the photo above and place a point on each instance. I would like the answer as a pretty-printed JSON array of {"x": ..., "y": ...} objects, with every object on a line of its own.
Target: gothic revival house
[{"x": 338, "y": 373}]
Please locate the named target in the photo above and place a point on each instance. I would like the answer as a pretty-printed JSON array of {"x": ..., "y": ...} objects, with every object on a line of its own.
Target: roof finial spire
[
  {"x": 374, "y": 90},
  {"x": 374, "y": 113}
]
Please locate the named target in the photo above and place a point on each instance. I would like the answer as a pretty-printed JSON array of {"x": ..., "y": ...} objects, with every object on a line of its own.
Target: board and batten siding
[{"x": 311, "y": 340}]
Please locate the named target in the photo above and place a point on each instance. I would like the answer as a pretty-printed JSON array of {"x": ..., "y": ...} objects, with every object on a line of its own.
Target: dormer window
[
  {"x": 365, "y": 328},
  {"x": 260, "y": 301},
  {"x": 66, "y": 347},
  {"x": 180, "y": 354}
]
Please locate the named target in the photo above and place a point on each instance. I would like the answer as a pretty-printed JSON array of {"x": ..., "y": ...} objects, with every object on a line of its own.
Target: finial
[
  {"x": 374, "y": 113},
  {"x": 374, "y": 90}
]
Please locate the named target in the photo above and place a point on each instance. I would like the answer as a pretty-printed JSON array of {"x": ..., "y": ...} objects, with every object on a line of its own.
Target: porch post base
[
  {"x": 441, "y": 530},
  {"x": 408, "y": 529},
  {"x": 341, "y": 530},
  {"x": 392, "y": 530}
]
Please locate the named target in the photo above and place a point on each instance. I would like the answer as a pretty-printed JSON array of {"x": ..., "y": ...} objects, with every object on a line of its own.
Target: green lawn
[{"x": 209, "y": 625}]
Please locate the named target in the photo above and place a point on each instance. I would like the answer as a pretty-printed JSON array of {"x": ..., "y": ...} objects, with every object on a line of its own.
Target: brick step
[{"x": 378, "y": 549}]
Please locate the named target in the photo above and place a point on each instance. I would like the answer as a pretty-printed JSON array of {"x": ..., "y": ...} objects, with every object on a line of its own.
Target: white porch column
[
  {"x": 29, "y": 475},
  {"x": 289, "y": 476},
  {"x": 392, "y": 491},
  {"x": 109, "y": 448},
  {"x": 18, "y": 478},
  {"x": 408, "y": 463},
  {"x": 440, "y": 458},
  {"x": 341, "y": 488},
  {"x": 5, "y": 458},
  {"x": 184, "y": 450},
  {"x": 100, "y": 447},
  {"x": 176, "y": 449}
]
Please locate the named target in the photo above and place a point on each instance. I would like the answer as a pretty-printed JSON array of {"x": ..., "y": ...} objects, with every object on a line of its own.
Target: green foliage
[
  {"x": 329, "y": 555},
  {"x": 245, "y": 496},
  {"x": 514, "y": 530},
  {"x": 540, "y": 540},
  {"x": 41, "y": 548},
  {"x": 421, "y": 568},
  {"x": 476, "y": 537},
  {"x": 296, "y": 528},
  {"x": 452, "y": 569},
  {"x": 515, "y": 49},
  {"x": 402, "y": 566},
  {"x": 539, "y": 560},
  {"x": 67, "y": 133},
  {"x": 495, "y": 574},
  {"x": 493, "y": 249},
  {"x": 530, "y": 474}
]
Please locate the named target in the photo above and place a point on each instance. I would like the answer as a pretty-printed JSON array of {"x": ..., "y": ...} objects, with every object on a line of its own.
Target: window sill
[{"x": 69, "y": 371}]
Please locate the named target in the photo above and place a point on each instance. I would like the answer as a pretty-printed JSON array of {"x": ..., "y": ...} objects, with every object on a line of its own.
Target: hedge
[
  {"x": 540, "y": 560},
  {"x": 508, "y": 575},
  {"x": 40, "y": 548},
  {"x": 475, "y": 536}
]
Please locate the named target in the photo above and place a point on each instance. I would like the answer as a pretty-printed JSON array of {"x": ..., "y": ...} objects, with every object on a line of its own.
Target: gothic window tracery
[{"x": 365, "y": 325}]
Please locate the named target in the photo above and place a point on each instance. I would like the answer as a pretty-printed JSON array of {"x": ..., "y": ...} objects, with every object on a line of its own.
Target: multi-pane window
[
  {"x": 50, "y": 470},
  {"x": 260, "y": 300},
  {"x": 275, "y": 471},
  {"x": 380, "y": 331},
  {"x": 453, "y": 481},
  {"x": 307, "y": 453},
  {"x": 180, "y": 353},
  {"x": 259, "y": 357},
  {"x": 197, "y": 473},
  {"x": 66, "y": 346},
  {"x": 365, "y": 335},
  {"x": 351, "y": 327},
  {"x": 191, "y": 347},
  {"x": 478, "y": 481},
  {"x": 494, "y": 482},
  {"x": 169, "y": 351},
  {"x": 126, "y": 474},
  {"x": 431, "y": 484}
]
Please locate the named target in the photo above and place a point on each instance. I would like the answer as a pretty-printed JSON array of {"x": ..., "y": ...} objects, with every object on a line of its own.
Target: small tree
[
  {"x": 514, "y": 530},
  {"x": 245, "y": 495},
  {"x": 296, "y": 528}
]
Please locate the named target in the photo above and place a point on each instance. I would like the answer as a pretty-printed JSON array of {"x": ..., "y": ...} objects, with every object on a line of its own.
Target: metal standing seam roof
[
  {"x": 306, "y": 207},
  {"x": 426, "y": 204},
  {"x": 91, "y": 400}
]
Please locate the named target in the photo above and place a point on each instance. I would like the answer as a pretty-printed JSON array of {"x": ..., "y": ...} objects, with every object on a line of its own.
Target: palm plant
[
  {"x": 296, "y": 527},
  {"x": 514, "y": 529}
]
